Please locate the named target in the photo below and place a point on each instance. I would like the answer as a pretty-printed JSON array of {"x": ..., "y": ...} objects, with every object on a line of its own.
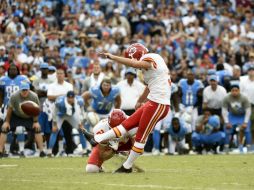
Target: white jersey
[{"x": 157, "y": 78}]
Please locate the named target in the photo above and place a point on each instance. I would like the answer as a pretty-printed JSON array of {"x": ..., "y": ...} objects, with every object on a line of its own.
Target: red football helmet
[
  {"x": 135, "y": 51},
  {"x": 116, "y": 117}
]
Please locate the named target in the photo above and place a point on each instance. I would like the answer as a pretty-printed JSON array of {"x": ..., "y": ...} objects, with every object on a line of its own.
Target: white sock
[
  {"x": 138, "y": 147},
  {"x": 21, "y": 146},
  {"x": 130, "y": 160},
  {"x": 7, "y": 147},
  {"x": 60, "y": 145},
  {"x": 49, "y": 151},
  {"x": 112, "y": 133}
]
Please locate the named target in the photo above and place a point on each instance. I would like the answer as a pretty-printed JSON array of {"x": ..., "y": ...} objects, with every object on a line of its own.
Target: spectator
[
  {"x": 94, "y": 79},
  {"x": 213, "y": 96},
  {"x": 130, "y": 90}
]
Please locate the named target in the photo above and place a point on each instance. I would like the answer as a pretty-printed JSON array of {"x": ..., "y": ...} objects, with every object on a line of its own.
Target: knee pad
[
  {"x": 20, "y": 130},
  {"x": 90, "y": 168}
]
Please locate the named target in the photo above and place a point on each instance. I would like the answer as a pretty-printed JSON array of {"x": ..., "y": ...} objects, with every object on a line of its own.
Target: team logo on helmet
[
  {"x": 116, "y": 117},
  {"x": 136, "y": 51}
]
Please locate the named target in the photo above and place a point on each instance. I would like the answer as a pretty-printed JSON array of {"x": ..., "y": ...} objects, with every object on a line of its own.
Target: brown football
[{"x": 30, "y": 108}]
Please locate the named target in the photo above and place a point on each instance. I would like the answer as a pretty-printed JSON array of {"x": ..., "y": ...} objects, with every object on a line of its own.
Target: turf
[{"x": 161, "y": 172}]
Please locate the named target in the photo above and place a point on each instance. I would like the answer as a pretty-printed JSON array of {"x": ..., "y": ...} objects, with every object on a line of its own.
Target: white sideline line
[
  {"x": 8, "y": 165},
  {"x": 118, "y": 185}
]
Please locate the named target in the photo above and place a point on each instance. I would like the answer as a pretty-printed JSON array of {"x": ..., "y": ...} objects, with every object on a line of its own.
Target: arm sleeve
[{"x": 247, "y": 115}]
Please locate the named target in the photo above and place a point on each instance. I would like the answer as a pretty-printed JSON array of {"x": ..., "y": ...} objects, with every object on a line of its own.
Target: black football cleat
[
  {"x": 42, "y": 154},
  {"x": 123, "y": 170},
  {"x": 89, "y": 137}
]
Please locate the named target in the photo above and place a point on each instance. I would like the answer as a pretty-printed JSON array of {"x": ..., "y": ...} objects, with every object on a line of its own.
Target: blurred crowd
[{"x": 204, "y": 40}]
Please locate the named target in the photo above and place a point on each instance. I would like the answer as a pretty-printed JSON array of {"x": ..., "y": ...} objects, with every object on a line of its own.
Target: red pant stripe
[{"x": 153, "y": 122}]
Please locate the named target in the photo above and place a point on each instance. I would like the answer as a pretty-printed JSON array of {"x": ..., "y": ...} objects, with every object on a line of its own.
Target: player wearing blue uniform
[
  {"x": 236, "y": 112},
  {"x": 177, "y": 131},
  {"x": 190, "y": 90},
  {"x": 103, "y": 98},
  {"x": 9, "y": 85},
  {"x": 209, "y": 136},
  {"x": 68, "y": 114}
]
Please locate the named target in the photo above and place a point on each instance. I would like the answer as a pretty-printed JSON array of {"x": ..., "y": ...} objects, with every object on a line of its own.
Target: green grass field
[{"x": 161, "y": 172}]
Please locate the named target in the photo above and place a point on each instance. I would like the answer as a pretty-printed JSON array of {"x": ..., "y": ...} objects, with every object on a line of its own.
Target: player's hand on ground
[
  {"x": 36, "y": 126},
  {"x": 6, "y": 126}
]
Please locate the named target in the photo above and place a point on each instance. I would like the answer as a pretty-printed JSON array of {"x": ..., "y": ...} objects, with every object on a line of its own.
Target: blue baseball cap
[
  {"x": 52, "y": 68},
  {"x": 44, "y": 66},
  {"x": 24, "y": 86},
  {"x": 213, "y": 77}
]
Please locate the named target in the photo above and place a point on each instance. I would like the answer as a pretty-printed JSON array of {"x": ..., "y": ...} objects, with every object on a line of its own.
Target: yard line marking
[
  {"x": 112, "y": 184},
  {"x": 8, "y": 165},
  {"x": 237, "y": 184}
]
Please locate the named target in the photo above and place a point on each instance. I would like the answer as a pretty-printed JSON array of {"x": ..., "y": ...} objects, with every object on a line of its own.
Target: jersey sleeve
[
  {"x": 59, "y": 101},
  {"x": 151, "y": 61},
  {"x": 80, "y": 101},
  {"x": 246, "y": 102},
  {"x": 101, "y": 127}
]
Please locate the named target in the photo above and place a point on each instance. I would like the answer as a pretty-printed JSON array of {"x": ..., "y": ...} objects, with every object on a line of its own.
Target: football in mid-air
[{"x": 30, "y": 108}]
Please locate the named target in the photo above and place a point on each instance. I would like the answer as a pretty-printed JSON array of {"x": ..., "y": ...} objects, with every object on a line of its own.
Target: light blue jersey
[
  {"x": 189, "y": 97},
  {"x": 10, "y": 86},
  {"x": 103, "y": 104},
  {"x": 180, "y": 135}
]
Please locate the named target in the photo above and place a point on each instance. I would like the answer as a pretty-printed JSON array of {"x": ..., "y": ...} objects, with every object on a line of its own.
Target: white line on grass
[
  {"x": 8, "y": 165},
  {"x": 114, "y": 184}
]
